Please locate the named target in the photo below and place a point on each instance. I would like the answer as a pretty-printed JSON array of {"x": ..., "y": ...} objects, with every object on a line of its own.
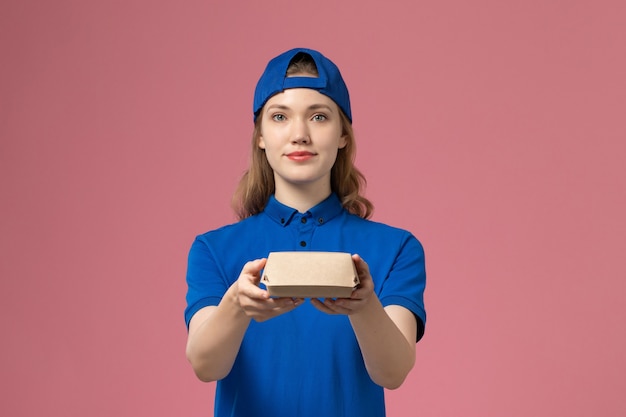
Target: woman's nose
[{"x": 300, "y": 133}]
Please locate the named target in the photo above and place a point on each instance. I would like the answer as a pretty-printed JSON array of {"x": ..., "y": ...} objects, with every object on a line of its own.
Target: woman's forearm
[
  {"x": 388, "y": 351},
  {"x": 215, "y": 335}
]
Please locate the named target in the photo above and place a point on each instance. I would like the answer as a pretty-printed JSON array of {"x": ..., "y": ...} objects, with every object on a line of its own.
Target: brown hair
[{"x": 257, "y": 183}]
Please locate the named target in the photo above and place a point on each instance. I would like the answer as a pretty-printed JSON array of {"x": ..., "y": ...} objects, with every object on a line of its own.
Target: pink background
[{"x": 494, "y": 130}]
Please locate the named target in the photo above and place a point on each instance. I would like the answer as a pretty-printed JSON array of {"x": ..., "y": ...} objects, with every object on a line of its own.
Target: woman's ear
[
  {"x": 261, "y": 142},
  {"x": 343, "y": 141}
]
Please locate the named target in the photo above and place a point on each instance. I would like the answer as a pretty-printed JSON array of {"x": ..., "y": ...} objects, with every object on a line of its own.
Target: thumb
[
  {"x": 253, "y": 269},
  {"x": 361, "y": 266}
]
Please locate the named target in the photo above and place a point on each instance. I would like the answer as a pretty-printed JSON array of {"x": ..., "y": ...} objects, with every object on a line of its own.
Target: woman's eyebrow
[
  {"x": 320, "y": 106},
  {"x": 278, "y": 106}
]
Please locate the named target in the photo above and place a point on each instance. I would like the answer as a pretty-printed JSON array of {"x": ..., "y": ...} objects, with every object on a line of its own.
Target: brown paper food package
[{"x": 310, "y": 274}]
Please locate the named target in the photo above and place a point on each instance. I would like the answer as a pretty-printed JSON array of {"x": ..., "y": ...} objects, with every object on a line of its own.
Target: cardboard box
[{"x": 310, "y": 274}]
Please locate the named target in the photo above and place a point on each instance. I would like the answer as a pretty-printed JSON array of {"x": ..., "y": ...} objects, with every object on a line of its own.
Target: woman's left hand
[{"x": 359, "y": 297}]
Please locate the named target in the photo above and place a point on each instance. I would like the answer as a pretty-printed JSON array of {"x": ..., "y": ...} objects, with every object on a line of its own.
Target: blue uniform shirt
[{"x": 305, "y": 362}]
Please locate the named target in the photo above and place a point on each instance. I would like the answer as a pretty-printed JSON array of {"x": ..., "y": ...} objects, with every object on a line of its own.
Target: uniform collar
[{"x": 321, "y": 213}]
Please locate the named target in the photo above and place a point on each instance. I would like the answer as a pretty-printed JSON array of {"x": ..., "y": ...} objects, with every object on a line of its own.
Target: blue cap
[{"x": 329, "y": 81}]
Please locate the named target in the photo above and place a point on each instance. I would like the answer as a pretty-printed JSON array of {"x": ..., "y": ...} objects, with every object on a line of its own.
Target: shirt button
[
  {"x": 320, "y": 220},
  {"x": 303, "y": 220},
  {"x": 302, "y": 243},
  {"x": 282, "y": 221}
]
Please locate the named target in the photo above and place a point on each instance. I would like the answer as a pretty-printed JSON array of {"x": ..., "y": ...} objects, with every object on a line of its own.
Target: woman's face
[{"x": 301, "y": 133}]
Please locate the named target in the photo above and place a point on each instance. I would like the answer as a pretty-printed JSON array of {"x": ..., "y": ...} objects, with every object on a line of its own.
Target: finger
[
  {"x": 361, "y": 266},
  {"x": 248, "y": 289},
  {"x": 282, "y": 304},
  {"x": 272, "y": 308},
  {"x": 347, "y": 305},
  {"x": 321, "y": 306},
  {"x": 254, "y": 268},
  {"x": 248, "y": 283},
  {"x": 364, "y": 290},
  {"x": 339, "y": 306}
]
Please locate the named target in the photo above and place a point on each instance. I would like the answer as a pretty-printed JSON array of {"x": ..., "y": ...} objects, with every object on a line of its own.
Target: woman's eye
[
  {"x": 278, "y": 117},
  {"x": 319, "y": 117}
]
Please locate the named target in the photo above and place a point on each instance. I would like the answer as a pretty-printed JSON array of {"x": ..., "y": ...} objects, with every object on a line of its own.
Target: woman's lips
[{"x": 300, "y": 155}]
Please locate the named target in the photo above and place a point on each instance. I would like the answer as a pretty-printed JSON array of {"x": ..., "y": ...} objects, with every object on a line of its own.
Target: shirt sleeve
[
  {"x": 406, "y": 281},
  {"x": 205, "y": 279}
]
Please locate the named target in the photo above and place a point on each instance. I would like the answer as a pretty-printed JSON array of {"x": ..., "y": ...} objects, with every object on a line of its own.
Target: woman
[{"x": 297, "y": 357}]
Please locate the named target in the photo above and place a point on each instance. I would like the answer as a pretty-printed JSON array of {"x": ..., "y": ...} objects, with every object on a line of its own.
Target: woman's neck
[{"x": 301, "y": 198}]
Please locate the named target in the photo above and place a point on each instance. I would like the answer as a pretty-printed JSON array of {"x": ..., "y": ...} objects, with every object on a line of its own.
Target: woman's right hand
[
  {"x": 256, "y": 302},
  {"x": 216, "y": 332}
]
